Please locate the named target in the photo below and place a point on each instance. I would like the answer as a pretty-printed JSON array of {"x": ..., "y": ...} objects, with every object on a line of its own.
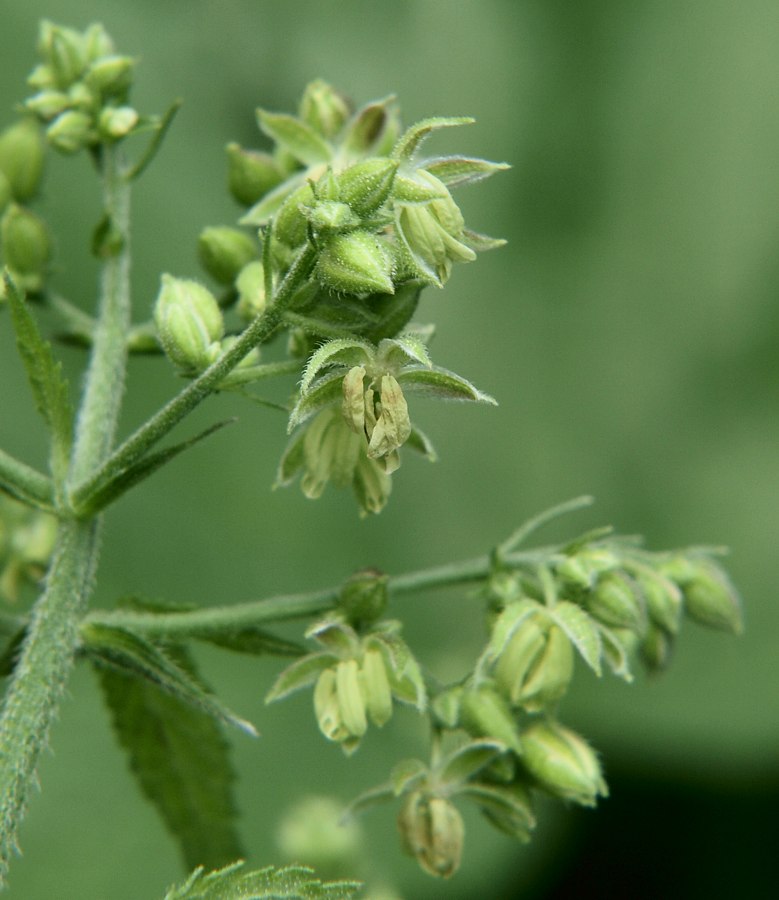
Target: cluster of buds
[
  {"x": 82, "y": 87},
  {"x": 26, "y": 544},
  {"x": 345, "y": 190},
  {"x": 637, "y": 599},
  {"x": 356, "y": 676},
  {"x": 24, "y": 239}
]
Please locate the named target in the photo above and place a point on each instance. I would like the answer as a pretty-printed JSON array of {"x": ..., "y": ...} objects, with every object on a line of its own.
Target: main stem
[{"x": 49, "y": 648}]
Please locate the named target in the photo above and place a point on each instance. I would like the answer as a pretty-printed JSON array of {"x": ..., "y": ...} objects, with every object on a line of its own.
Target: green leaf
[
  {"x": 481, "y": 242},
  {"x": 295, "y": 137},
  {"x": 582, "y": 631},
  {"x": 398, "y": 351},
  {"x": 469, "y": 759},
  {"x": 615, "y": 654},
  {"x": 420, "y": 442},
  {"x": 326, "y": 391},
  {"x": 182, "y": 764},
  {"x": 232, "y": 883},
  {"x": 406, "y": 773},
  {"x": 249, "y": 639},
  {"x": 506, "y": 806},
  {"x": 122, "y": 481},
  {"x": 266, "y": 208},
  {"x": 342, "y": 351},
  {"x": 300, "y": 674},
  {"x": 127, "y": 651},
  {"x": 441, "y": 384},
  {"x": 44, "y": 373},
  {"x": 413, "y": 137},
  {"x": 457, "y": 170},
  {"x": 506, "y": 625},
  {"x": 366, "y": 128}
]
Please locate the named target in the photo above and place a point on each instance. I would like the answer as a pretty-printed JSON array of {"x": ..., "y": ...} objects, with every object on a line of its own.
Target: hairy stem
[
  {"x": 41, "y": 674},
  {"x": 99, "y": 410},
  {"x": 162, "y": 422},
  {"x": 193, "y": 623},
  {"x": 48, "y": 651},
  {"x": 25, "y": 483}
]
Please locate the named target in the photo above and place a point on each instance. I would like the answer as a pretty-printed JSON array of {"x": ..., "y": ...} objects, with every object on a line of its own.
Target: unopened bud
[
  {"x": 47, "y": 104},
  {"x": 710, "y": 599},
  {"x": 97, "y": 42},
  {"x": 25, "y": 244},
  {"x": 485, "y": 713},
  {"x": 250, "y": 285},
  {"x": 21, "y": 157},
  {"x": 117, "y": 122},
  {"x": 656, "y": 647},
  {"x": 367, "y": 185},
  {"x": 250, "y": 174},
  {"x": 331, "y": 216},
  {"x": 536, "y": 666},
  {"x": 63, "y": 50},
  {"x": 350, "y": 698},
  {"x": 70, "y": 131},
  {"x": 562, "y": 762},
  {"x": 363, "y": 598},
  {"x": 616, "y": 601},
  {"x": 583, "y": 567},
  {"x": 323, "y": 108},
  {"x": 189, "y": 323},
  {"x": 289, "y": 224},
  {"x": 111, "y": 76},
  {"x": 224, "y": 251},
  {"x": 355, "y": 263},
  {"x": 433, "y": 833},
  {"x": 663, "y": 599}
]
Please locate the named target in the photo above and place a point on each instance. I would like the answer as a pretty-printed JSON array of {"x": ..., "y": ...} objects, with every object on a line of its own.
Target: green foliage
[
  {"x": 231, "y": 883},
  {"x": 181, "y": 760}
]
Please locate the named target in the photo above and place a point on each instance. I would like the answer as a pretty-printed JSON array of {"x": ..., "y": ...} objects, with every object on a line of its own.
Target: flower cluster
[
  {"x": 347, "y": 190},
  {"x": 82, "y": 88}
]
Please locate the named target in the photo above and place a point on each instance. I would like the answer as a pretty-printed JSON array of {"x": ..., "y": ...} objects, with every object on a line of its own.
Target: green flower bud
[
  {"x": 536, "y": 666},
  {"x": 432, "y": 832},
  {"x": 224, "y": 251},
  {"x": 82, "y": 98},
  {"x": 562, "y": 762},
  {"x": 663, "y": 599},
  {"x": 70, "y": 131},
  {"x": 330, "y": 216},
  {"x": 710, "y": 599},
  {"x": 355, "y": 263},
  {"x": 289, "y": 224},
  {"x": 26, "y": 246},
  {"x": 47, "y": 104},
  {"x": 189, "y": 323},
  {"x": 117, "y": 122},
  {"x": 376, "y": 686},
  {"x": 97, "y": 42},
  {"x": 616, "y": 601},
  {"x": 484, "y": 712},
  {"x": 21, "y": 157},
  {"x": 367, "y": 185},
  {"x": 656, "y": 647},
  {"x": 250, "y": 285},
  {"x": 63, "y": 50},
  {"x": 583, "y": 567},
  {"x": 110, "y": 76},
  {"x": 323, "y": 108},
  {"x": 250, "y": 175},
  {"x": 363, "y": 598}
]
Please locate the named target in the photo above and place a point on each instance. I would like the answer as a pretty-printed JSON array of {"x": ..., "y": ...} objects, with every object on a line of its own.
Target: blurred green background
[{"x": 630, "y": 331}]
